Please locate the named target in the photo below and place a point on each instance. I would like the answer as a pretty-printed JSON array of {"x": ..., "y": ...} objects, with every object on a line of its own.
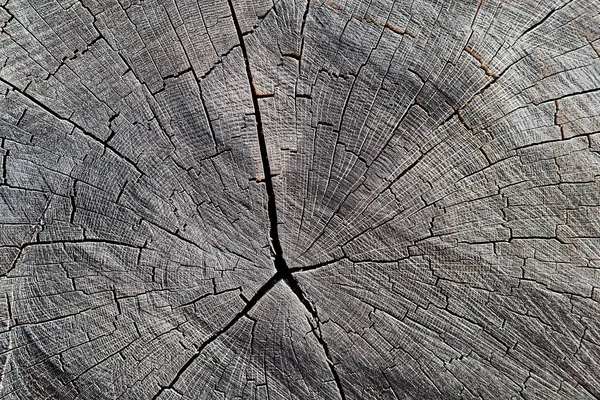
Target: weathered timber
[{"x": 279, "y": 199}]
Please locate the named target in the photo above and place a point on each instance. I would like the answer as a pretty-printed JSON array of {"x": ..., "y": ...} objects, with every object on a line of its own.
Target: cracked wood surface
[{"x": 274, "y": 199}]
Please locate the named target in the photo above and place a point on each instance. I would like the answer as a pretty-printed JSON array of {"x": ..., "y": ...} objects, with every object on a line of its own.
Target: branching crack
[
  {"x": 249, "y": 305},
  {"x": 88, "y": 134},
  {"x": 282, "y": 271},
  {"x": 276, "y": 250}
]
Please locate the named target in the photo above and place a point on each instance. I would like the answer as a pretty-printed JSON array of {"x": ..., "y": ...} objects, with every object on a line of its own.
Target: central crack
[
  {"x": 282, "y": 271},
  {"x": 281, "y": 267}
]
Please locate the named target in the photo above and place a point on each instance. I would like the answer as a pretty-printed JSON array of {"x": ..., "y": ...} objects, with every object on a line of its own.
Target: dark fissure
[{"x": 282, "y": 271}]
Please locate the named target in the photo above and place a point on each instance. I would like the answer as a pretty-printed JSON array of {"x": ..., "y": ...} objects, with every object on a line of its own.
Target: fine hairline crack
[{"x": 282, "y": 271}]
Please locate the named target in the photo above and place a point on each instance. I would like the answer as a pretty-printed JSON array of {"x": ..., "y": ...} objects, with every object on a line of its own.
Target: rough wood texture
[{"x": 274, "y": 199}]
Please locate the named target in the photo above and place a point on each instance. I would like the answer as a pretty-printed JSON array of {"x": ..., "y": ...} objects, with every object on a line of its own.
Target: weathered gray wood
[{"x": 299, "y": 199}]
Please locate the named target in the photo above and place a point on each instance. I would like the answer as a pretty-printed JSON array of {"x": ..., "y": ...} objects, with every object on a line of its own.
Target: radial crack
[
  {"x": 283, "y": 271},
  {"x": 243, "y": 312},
  {"x": 276, "y": 249},
  {"x": 293, "y": 284}
]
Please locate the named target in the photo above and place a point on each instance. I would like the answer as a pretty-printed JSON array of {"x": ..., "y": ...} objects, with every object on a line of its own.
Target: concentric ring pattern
[{"x": 279, "y": 199}]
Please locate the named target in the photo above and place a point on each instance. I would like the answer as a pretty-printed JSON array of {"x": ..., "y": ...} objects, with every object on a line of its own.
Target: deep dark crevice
[
  {"x": 276, "y": 250},
  {"x": 283, "y": 272}
]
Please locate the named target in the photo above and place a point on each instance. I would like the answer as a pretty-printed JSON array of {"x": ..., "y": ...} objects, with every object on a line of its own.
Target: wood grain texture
[{"x": 279, "y": 199}]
